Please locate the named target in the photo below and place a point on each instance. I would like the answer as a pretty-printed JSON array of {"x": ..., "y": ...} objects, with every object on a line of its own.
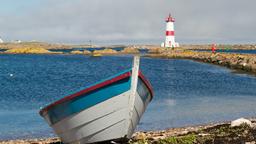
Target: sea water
[{"x": 186, "y": 92}]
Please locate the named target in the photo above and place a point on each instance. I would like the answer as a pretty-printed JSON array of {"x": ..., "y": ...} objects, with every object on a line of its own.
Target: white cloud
[{"x": 118, "y": 21}]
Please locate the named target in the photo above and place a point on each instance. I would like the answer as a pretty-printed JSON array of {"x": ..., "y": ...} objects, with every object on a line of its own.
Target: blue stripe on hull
[{"x": 82, "y": 102}]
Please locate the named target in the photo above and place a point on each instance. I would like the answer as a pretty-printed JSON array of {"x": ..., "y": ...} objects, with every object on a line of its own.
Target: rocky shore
[
  {"x": 29, "y": 50},
  {"x": 84, "y": 52},
  {"x": 107, "y": 51},
  {"x": 243, "y": 62},
  {"x": 241, "y": 131},
  {"x": 41, "y": 50},
  {"x": 220, "y": 46}
]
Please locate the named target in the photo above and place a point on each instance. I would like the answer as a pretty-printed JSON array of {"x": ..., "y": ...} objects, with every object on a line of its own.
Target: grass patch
[{"x": 187, "y": 139}]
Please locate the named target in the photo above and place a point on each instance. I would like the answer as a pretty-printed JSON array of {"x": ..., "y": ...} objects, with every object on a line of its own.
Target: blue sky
[{"x": 127, "y": 21}]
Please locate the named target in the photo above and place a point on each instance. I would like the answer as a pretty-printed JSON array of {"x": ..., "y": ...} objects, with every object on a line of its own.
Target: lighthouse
[{"x": 169, "y": 33}]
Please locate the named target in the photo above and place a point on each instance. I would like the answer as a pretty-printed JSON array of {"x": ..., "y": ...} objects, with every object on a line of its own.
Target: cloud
[{"x": 133, "y": 21}]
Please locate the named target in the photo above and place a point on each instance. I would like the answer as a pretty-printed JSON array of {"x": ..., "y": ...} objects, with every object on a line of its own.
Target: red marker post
[{"x": 213, "y": 48}]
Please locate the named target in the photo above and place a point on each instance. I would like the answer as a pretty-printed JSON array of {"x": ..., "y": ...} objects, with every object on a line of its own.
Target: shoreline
[
  {"x": 218, "y": 131},
  {"x": 242, "y": 63}
]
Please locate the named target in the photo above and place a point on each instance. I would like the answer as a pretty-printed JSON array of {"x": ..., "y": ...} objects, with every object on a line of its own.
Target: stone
[
  {"x": 86, "y": 52},
  {"x": 252, "y": 142},
  {"x": 252, "y": 60},
  {"x": 155, "y": 138},
  {"x": 130, "y": 50},
  {"x": 140, "y": 136},
  {"x": 253, "y": 68},
  {"x": 156, "y": 50},
  {"x": 105, "y": 51},
  {"x": 240, "y": 122},
  {"x": 203, "y": 134},
  {"x": 28, "y": 50},
  {"x": 76, "y": 52}
]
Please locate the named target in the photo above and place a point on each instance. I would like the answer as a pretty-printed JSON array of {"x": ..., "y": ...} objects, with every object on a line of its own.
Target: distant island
[
  {"x": 202, "y": 53},
  {"x": 40, "y": 45}
]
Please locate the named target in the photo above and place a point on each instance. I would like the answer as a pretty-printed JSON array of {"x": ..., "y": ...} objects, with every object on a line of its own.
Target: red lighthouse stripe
[{"x": 169, "y": 33}]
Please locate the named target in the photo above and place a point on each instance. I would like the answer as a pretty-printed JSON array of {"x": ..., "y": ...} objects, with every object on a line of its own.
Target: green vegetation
[
  {"x": 217, "y": 134},
  {"x": 187, "y": 139}
]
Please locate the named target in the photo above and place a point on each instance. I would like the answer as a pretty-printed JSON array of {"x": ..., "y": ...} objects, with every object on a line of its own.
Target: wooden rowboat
[{"x": 109, "y": 110}]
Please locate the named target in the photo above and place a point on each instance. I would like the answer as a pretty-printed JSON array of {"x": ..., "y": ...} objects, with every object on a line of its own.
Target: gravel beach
[{"x": 213, "y": 133}]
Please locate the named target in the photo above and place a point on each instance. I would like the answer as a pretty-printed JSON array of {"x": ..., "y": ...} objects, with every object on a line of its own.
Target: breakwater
[
  {"x": 219, "y": 46},
  {"x": 244, "y": 62}
]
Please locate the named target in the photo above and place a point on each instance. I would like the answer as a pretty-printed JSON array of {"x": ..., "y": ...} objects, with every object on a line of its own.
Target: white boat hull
[{"x": 105, "y": 121}]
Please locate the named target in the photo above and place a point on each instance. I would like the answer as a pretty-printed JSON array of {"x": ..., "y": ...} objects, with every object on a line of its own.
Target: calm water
[
  {"x": 186, "y": 92},
  {"x": 234, "y": 51}
]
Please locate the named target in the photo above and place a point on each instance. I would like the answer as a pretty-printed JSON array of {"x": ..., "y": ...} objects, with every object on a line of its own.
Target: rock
[
  {"x": 252, "y": 142},
  {"x": 253, "y": 68},
  {"x": 203, "y": 134},
  {"x": 241, "y": 121},
  {"x": 76, "y": 52},
  {"x": 155, "y": 138},
  {"x": 157, "y": 50},
  {"x": 28, "y": 50},
  {"x": 252, "y": 60},
  {"x": 140, "y": 136},
  {"x": 130, "y": 50},
  {"x": 85, "y": 52},
  {"x": 105, "y": 51}
]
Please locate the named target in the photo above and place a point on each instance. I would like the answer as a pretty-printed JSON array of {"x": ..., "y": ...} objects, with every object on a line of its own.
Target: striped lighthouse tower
[{"x": 169, "y": 34}]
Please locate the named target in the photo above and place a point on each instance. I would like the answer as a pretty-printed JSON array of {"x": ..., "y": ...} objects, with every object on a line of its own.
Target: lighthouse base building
[
  {"x": 170, "y": 33},
  {"x": 166, "y": 45}
]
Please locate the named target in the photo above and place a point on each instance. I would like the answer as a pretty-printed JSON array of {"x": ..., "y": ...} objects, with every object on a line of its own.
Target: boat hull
[
  {"x": 103, "y": 122},
  {"x": 99, "y": 114}
]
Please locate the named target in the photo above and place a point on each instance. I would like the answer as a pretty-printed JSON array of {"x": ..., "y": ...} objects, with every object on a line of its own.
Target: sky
[{"x": 128, "y": 21}]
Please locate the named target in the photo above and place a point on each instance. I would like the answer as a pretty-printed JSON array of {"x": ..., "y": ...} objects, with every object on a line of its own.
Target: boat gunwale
[
  {"x": 147, "y": 83},
  {"x": 97, "y": 86}
]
